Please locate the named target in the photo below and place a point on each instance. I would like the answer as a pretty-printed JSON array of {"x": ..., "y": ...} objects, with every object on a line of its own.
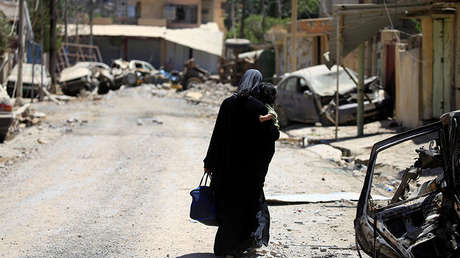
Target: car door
[
  {"x": 305, "y": 98},
  {"x": 286, "y": 93}
]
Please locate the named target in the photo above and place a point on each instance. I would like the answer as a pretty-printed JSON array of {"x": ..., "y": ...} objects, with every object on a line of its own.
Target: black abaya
[{"x": 239, "y": 153}]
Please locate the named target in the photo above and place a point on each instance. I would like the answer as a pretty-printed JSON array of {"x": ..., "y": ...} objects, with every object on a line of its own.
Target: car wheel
[
  {"x": 103, "y": 89},
  {"x": 283, "y": 120},
  {"x": 191, "y": 82}
]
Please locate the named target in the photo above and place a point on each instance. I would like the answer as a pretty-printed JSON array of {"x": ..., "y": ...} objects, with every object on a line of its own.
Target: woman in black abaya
[{"x": 238, "y": 157}]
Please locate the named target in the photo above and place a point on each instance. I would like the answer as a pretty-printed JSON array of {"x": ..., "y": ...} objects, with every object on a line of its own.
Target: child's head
[{"x": 267, "y": 93}]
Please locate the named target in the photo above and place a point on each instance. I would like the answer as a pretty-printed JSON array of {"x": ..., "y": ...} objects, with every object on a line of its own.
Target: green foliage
[
  {"x": 253, "y": 29},
  {"x": 253, "y": 22},
  {"x": 40, "y": 18},
  {"x": 5, "y": 29}
]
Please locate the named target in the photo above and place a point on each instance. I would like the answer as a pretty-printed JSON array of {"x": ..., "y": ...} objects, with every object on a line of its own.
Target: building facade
[
  {"x": 169, "y": 13},
  {"x": 162, "y": 32}
]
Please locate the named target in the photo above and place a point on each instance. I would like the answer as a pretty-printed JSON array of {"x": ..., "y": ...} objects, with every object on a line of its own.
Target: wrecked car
[
  {"x": 33, "y": 74},
  {"x": 6, "y": 113},
  {"x": 143, "y": 71},
  {"x": 421, "y": 217},
  {"x": 308, "y": 96},
  {"x": 193, "y": 74},
  {"x": 87, "y": 76},
  {"x": 121, "y": 73}
]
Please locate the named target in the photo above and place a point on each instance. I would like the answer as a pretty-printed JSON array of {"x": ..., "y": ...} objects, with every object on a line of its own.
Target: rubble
[
  {"x": 25, "y": 117},
  {"x": 208, "y": 92}
]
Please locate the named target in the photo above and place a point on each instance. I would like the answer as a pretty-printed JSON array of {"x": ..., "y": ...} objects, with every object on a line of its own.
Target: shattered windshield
[
  {"x": 324, "y": 81},
  {"x": 413, "y": 164}
]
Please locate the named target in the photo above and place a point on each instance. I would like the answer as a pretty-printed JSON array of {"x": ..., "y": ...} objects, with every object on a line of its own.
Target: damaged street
[
  {"x": 113, "y": 179},
  {"x": 230, "y": 128}
]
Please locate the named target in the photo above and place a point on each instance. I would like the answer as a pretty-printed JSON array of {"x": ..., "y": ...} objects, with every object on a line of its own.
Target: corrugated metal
[{"x": 362, "y": 22}]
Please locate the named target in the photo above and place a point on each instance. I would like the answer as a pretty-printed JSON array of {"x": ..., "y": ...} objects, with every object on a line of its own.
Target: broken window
[{"x": 182, "y": 14}]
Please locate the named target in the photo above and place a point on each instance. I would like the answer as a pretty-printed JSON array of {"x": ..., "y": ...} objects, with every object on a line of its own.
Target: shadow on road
[{"x": 197, "y": 255}]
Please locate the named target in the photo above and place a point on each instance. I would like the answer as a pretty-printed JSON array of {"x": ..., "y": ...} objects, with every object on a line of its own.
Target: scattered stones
[{"x": 41, "y": 141}]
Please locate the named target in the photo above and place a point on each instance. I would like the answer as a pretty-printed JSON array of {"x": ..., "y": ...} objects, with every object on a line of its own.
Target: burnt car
[
  {"x": 143, "y": 71},
  {"x": 6, "y": 113},
  {"x": 121, "y": 74},
  {"x": 308, "y": 96},
  {"x": 32, "y": 76},
  {"x": 421, "y": 217},
  {"x": 87, "y": 76}
]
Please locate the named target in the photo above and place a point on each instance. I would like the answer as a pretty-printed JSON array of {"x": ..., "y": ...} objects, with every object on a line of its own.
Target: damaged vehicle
[
  {"x": 143, "y": 71},
  {"x": 6, "y": 113},
  {"x": 87, "y": 76},
  {"x": 121, "y": 74},
  {"x": 421, "y": 217},
  {"x": 32, "y": 76},
  {"x": 308, "y": 96}
]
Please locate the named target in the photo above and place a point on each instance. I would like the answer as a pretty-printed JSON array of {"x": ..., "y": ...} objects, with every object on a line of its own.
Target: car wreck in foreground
[{"x": 421, "y": 218}]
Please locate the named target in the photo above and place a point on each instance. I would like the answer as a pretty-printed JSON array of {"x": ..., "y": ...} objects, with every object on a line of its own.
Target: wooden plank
[
  {"x": 448, "y": 54},
  {"x": 427, "y": 68},
  {"x": 437, "y": 67},
  {"x": 456, "y": 62}
]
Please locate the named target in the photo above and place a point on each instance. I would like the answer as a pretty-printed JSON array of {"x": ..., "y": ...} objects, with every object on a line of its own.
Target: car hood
[
  {"x": 74, "y": 72},
  {"x": 324, "y": 81}
]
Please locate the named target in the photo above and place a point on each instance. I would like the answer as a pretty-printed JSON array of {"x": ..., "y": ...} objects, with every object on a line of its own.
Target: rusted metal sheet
[
  {"x": 362, "y": 21},
  {"x": 313, "y": 26}
]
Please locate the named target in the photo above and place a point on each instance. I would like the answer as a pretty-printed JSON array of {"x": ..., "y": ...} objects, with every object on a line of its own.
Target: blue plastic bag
[{"x": 203, "y": 208}]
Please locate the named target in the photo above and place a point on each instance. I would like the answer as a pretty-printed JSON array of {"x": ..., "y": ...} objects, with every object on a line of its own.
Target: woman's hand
[{"x": 265, "y": 118}]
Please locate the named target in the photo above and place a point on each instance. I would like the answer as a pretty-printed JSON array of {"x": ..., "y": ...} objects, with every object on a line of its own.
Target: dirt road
[{"x": 117, "y": 185}]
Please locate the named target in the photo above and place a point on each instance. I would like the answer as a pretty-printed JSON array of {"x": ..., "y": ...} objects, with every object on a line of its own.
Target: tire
[
  {"x": 103, "y": 89},
  {"x": 191, "y": 82},
  {"x": 2, "y": 137},
  {"x": 283, "y": 120}
]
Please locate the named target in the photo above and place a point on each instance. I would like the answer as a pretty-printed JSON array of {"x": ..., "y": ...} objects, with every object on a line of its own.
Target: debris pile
[
  {"x": 25, "y": 117},
  {"x": 209, "y": 92}
]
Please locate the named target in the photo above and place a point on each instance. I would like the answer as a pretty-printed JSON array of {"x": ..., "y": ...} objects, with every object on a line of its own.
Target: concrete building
[{"x": 162, "y": 32}]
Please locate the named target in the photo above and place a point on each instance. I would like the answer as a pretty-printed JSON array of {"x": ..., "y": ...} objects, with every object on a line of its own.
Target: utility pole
[
  {"x": 243, "y": 16},
  {"x": 52, "y": 60},
  {"x": 20, "y": 49},
  {"x": 42, "y": 46},
  {"x": 66, "y": 35},
  {"x": 294, "y": 36},
  {"x": 360, "y": 111},
  {"x": 233, "y": 19},
  {"x": 279, "y": 8},
  {"x": 91, "y": 10},
  {"x": 262, "y": 7}
]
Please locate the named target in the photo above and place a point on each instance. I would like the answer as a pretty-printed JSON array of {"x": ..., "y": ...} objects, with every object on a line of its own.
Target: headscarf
[{"x": 249, "y": 83}]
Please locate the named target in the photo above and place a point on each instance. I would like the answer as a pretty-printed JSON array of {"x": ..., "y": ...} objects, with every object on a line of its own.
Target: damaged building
[
  {"x": 164, "y": 33},
  {"x": 420, "y": 70}
]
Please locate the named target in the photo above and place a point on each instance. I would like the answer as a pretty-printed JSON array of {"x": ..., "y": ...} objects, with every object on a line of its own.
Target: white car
[{"x": 31, "y": 80}]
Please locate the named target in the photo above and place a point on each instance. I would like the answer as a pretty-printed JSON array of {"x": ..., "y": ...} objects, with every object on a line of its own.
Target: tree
[{"x": 5, "y": 30}]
